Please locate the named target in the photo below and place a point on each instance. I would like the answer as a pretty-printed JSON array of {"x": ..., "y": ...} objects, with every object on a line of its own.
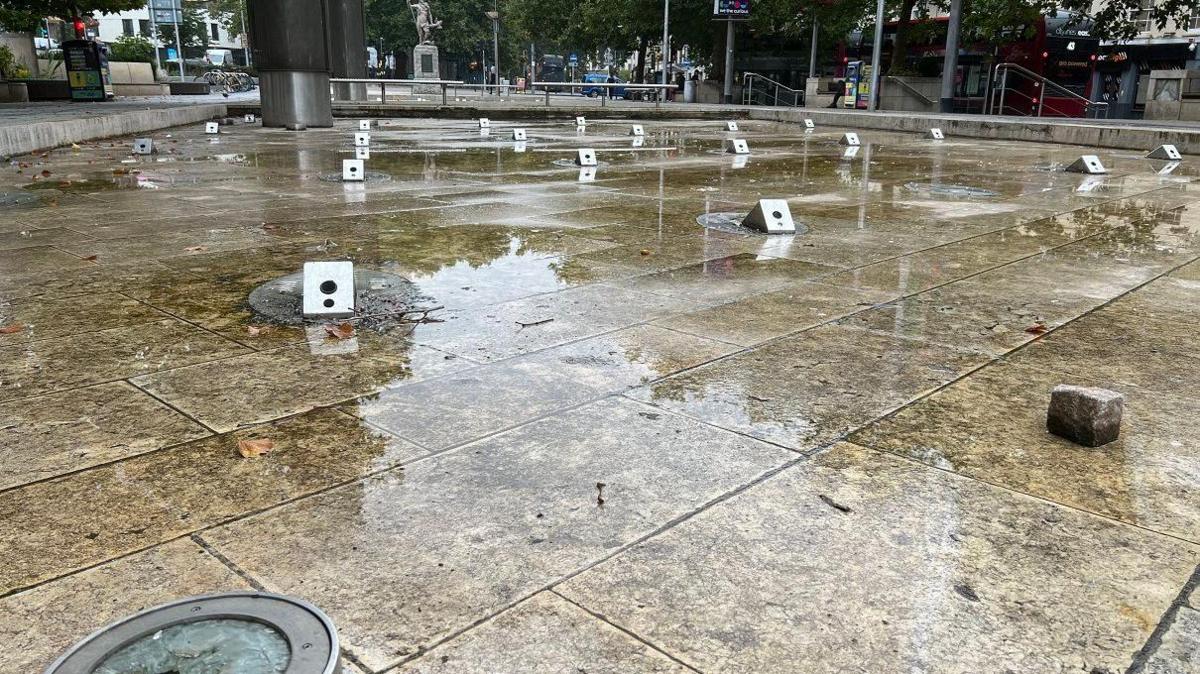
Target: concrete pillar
[
  {"x": 290, "y": 48},
  {"x": 950, "y": 66},
  {"x": 347, "y": 46}
]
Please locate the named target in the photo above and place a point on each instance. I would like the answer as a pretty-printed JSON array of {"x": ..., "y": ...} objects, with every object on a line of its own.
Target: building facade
[
  {"x": 222, "y": 43},
  {"x": 1123, "y": 68}
]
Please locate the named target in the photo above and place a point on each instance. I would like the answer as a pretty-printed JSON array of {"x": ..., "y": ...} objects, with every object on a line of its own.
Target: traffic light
[{"x": 80, "y": 28}]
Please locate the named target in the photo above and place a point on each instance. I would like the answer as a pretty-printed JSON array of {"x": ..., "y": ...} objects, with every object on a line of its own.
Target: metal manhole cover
[{"x": 955, "y": 191}]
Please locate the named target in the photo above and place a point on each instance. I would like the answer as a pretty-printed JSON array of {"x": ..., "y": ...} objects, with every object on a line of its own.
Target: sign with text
[
  {"x": 88, "y": 76},
  {"x": 167, "y": 11},
  {"x": 731, "y": 9}
]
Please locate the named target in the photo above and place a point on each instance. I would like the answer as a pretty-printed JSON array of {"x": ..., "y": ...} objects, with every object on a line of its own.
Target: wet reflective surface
[{"x": 620, "y": 441}]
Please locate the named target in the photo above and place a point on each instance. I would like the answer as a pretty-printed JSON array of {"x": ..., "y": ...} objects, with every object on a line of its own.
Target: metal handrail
[
  {"x": 661, "y": 88},
  {"x": 1045, "y": 83},
  {"x": 384, "y": 82},
  {"x": 375, "y": 80},
  {"x": 748, "y": 89}
]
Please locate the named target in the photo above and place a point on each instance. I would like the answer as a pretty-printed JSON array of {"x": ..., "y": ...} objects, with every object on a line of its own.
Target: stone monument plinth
[{"x": 426, "y": 67}]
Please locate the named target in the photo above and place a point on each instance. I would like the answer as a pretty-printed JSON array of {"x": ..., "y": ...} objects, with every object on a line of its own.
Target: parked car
[{"x": 592, "y": 92}]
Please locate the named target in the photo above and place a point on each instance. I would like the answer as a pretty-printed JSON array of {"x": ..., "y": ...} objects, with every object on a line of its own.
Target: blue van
[{"x": 592, "y": 92}]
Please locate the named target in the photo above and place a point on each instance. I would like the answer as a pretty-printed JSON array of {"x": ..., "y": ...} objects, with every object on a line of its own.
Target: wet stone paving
[{"x": 595, "y": 436}]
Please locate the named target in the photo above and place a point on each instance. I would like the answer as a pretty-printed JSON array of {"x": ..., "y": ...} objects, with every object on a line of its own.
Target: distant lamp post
[
  {"x": 495, "y": 17},
  {"x": 666, "y": 42}
]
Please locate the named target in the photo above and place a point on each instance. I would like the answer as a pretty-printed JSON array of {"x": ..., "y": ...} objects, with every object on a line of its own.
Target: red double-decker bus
[{"x": 1059, "y": 48}]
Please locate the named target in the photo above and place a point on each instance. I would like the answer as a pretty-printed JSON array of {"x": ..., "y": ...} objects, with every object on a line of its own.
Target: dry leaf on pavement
[
  {"x": 340, "y": 331},
  {"x": 250, "y": 449}
]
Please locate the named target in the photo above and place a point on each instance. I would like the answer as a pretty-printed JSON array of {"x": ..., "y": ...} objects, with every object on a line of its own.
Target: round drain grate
[
  {"x": 380, "y": 295},
  {"x": 732, "y": 223},
  {"x": 368, "y": 176},
  {"x": 953, "y": 191},
  {"x": 570, "y": 163},
  {"x": 244, "y": 632}
]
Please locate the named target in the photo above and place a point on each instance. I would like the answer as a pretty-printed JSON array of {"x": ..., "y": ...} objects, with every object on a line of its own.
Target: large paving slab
[
  {"x": 992, "y": 427},
  {"x": 58, "y": 526},
  {"x": 490, "y": 523},
  {"x": 545, "y": 633},
  {"x": 809, "y": 389},
  {"x": 857, "y": 561},
  {"x": 258, "y": 387},
  {"x": 48, "y": 435},
  {"x": 446, "y": 411},
  {"x": 50, "y": 365},
  {"x": 1179, "y": 650}
]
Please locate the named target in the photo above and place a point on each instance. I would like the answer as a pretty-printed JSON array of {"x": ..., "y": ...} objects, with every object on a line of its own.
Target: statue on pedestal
[{"x": 423, "y": 17}]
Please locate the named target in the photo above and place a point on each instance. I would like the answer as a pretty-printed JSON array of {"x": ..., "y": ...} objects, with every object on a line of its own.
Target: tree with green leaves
[
  {"x": 68, "y": 8},
  {"x": 193, "y": 30},
  {"x": 1114, "y": 19},
  {"x": 131, "y": 48},
  {"x": 228, "y": 13}
]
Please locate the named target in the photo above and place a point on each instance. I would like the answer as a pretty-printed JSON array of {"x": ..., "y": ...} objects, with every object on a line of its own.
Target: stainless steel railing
[
  {"x": 660, "y": 90},
  {"x": 771, "y": 92},
  {"x": 1035, "y": 105}
]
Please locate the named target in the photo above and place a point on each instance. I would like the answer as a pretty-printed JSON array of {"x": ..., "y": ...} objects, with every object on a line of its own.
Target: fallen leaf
[
  {"x": 256, "y": 330},
  {"x": 340, "y": 331},
  {"x": 11, "y": 329},
  {"x": 46, "y": 174},
  {"x": 966, "y": 592},
  {"x": 253, "y": 448},
  {"x": 645, "y": 251},
  {"x": 834, "y": 504},
  {"x": 268, "y": 226},
  {"x": 196, "y": 249},
  {"x": 1037, "y": 329},
  {"x": 90, "y": 258}
]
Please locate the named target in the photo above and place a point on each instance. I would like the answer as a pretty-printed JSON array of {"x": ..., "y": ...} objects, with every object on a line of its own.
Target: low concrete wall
[
  {"x": 126, "y": 72},
  {"x": 818, "y": 91},
  {"x": 1089, "y": 133},
  {"x": 914, "y": 94},
  {"x": 48, "y": 90},
  {"x": 123, "y": 72},
  {"x": 13, "y": 92},
  {"x": 712, "y": 91},
  {"x": 151, "y": 89},
  {"x": 190, "y": 88},
  {"x": 22, "y": 138}
]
